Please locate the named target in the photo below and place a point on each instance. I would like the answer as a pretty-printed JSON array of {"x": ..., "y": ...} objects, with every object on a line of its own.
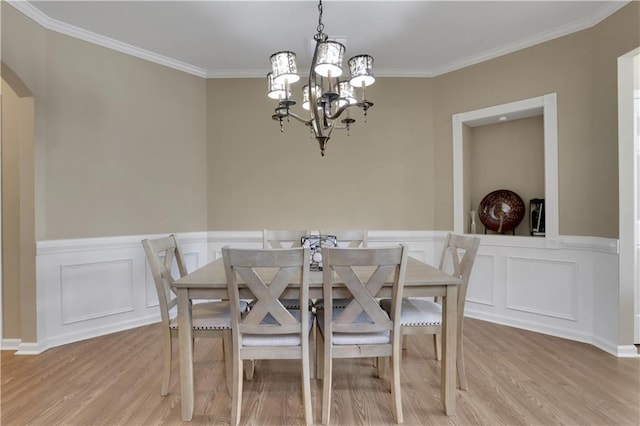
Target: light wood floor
[{"x": 515, "y": 378}]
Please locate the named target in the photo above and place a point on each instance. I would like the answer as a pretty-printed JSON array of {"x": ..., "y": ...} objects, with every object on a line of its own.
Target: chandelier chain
[{"x": 320, "y": 28}]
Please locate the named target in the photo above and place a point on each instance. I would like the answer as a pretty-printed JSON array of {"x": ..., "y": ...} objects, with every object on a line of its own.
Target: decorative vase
[{"x": 472, "y": 225}]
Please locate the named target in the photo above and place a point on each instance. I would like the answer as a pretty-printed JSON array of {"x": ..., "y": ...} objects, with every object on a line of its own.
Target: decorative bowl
[{"x": 501, "y": 211}]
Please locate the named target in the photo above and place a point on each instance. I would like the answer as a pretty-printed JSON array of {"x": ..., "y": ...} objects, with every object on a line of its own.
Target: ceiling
[{"x": 236, "y": 38}]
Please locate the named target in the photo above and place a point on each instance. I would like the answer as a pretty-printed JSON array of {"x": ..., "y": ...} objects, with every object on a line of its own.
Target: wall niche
[
  {"x": 511, "y": 146},
  {"x": 506, "y": 155}
]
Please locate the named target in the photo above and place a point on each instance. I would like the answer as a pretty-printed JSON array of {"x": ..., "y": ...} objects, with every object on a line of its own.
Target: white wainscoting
[{"x": 90, "y": 287}]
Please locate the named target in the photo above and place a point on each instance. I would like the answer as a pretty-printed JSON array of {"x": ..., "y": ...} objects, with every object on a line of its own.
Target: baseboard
[
  {"x": 627, "y": 351},
  {"x": 620, "y": 351},
  {"x": 10, "y": 344},
  {"x": 31, "y": 348},
  {"x": 91, "y": 333},
  {"x": 531, "y": 326}
]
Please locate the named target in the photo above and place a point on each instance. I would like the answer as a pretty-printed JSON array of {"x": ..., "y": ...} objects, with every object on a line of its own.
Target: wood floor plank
[{"x": 515, "y": 377}]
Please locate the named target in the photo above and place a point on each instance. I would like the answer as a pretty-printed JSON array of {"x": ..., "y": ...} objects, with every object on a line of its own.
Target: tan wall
[
  {"x": 18, "y": 223},
  {"x": 107, "y": 122},
  {"x": 581, "y": 69},
  {"x": 560, "y": 66},
  {"x": 10, "y": 223},
  {"x": 378, "y": 177},
  {"x": 121, "y": 139},
  {"x": 612, "y": 38}
]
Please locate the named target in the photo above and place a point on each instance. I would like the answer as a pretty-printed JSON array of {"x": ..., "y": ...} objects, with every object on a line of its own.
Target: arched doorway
[{"x": 18, "y": 250}]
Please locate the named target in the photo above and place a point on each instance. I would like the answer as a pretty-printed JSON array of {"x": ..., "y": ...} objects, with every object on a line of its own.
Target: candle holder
[{"x": 536, "y": 216}]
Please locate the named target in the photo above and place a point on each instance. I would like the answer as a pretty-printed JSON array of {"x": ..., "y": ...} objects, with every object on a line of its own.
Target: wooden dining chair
[
  {"x": 210, "y": 319},
  {"x": 344, "y": 238},
  {"x": 282, "y": 239},
  {"x": 269, "y": 330},
  {"x": 425, "y": 316},
  {"x": 348, "y": 238},
  {"x": 362, "y": 329}
]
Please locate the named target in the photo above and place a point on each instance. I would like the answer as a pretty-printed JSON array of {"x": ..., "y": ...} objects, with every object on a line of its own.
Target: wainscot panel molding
[
  {"x": 95, "y": 286},
  {"x": 483, "y": 275},
  {"x": 531, "y": 281},
  {"x": 570, "y": 291},
  {"x": 94, "y": 290}
]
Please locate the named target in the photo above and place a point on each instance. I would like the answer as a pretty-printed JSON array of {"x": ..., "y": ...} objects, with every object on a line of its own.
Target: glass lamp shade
[
  {"x": 306, "y": 97},
  {"x": 283, "y": 65},
  {"x": 275, "y": 90},
  {"x": 347, "y": 94},
  {"x": 329, "y": 58},
  {"x": 361, "y": 70}
]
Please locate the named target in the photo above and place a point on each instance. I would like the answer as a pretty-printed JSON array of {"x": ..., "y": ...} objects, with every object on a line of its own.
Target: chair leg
[
  {"x": 326, "y": 388},
  {"x": 166, "y": 362},
  {"x": 306, "y": 386},
  {"x": 236, "y": 397},
  {"x": 437, "y": 346},
  {"x": 228, "y": 360},
  {"x": 319, "y": 355},
  {"x": 249, "y": 368},
  {"x": 381, "y": 364},
  {"x": 312, "y": 351},
  {"x": 405, "y": 342},
  {"x": 462, "y": 375},
  {"x": 396, "y": 390}
]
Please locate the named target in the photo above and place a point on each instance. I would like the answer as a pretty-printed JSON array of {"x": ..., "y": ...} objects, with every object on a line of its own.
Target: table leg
[
  {"x": 186, "y": 353},
  {"x": 449, "y": 342}
]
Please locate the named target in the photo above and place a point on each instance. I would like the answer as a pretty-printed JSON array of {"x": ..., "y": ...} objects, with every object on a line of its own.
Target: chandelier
[{"x": 326, "y": 97}]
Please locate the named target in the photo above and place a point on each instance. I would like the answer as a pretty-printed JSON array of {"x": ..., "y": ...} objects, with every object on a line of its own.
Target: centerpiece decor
[{"x": 315, "y": 244}]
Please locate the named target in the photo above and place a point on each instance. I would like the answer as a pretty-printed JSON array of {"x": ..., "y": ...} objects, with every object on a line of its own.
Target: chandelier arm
[
  {"x": 331, "y": 127},
  {"x": 297, "y": 117},
  {"x": 316, "y": 119},
  {"x": 338, "y": 112}
]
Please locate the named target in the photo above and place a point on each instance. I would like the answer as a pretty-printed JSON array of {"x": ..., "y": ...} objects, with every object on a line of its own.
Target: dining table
[{"x": 421, "y": 280}]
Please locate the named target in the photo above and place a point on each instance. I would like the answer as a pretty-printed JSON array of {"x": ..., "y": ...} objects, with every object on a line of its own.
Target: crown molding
[
  {"x": 572, "y": 27},
  {"x": 72, "y": 31}
]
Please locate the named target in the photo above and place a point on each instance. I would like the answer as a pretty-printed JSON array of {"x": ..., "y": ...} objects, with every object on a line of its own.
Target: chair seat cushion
[
  {"x": 210, "y": 316},
  {"x": 354, "y": 338},
  {"x": 337, "y": 303},
  {"x": 293, "y": 303},
  {"x": 287, "y": 303},
  {"x": 417, "y": 312},
  {"x": 292, "y": 339}
]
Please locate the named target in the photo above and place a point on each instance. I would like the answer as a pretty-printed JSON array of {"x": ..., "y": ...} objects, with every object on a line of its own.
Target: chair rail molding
[{"x": 543, "y": 105}]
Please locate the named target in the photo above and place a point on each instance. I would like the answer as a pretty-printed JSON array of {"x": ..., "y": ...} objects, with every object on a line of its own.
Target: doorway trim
[{"x": 629, "y": 234}]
